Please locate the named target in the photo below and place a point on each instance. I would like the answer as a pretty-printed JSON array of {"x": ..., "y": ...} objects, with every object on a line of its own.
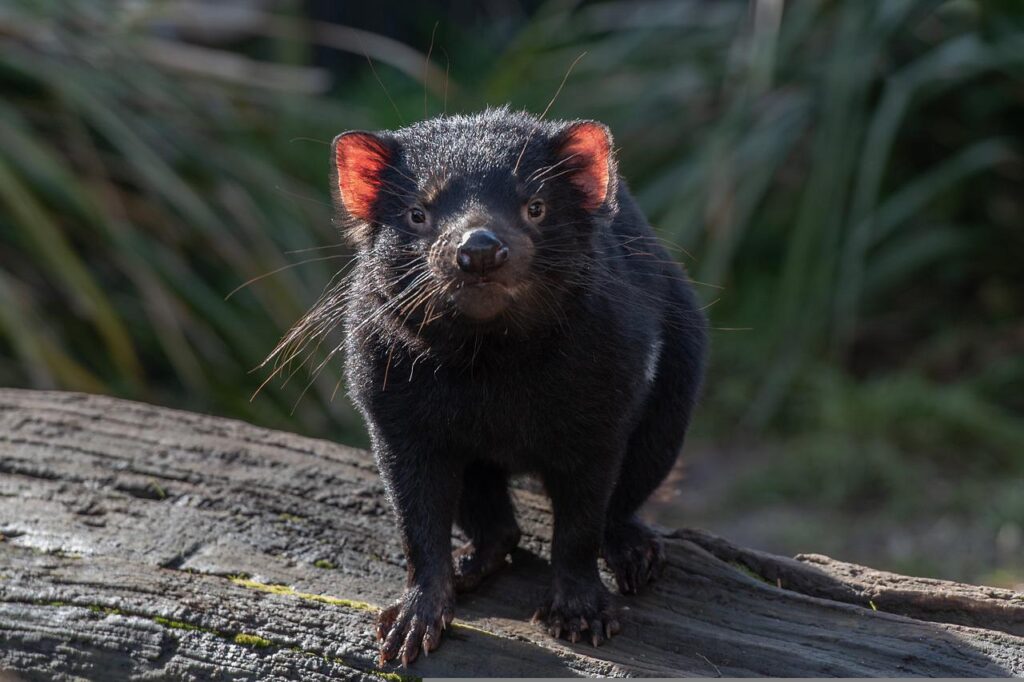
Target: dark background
[{"x": 842, "y": 179}]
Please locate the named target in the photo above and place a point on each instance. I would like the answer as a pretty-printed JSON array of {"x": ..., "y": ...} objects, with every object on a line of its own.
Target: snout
[
  {"x": 486, "y": 264},
  {"x": 480, "y": 251}
]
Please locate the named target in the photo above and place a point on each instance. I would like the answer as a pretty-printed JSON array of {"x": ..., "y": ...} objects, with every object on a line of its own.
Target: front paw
[
  {"x": 577, "y": 613},
  {"x": 414, "y": 622}
]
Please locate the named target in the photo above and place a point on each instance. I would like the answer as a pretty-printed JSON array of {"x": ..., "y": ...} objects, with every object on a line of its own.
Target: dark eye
[
  {"x": 535, "y": 210},
  {"x": 417, "y": 215}
]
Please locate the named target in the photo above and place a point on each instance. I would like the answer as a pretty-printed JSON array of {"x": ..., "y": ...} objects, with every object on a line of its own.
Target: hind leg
[
  {"x": 487, "y": 516},
  {"x": 631, "y": 549}
]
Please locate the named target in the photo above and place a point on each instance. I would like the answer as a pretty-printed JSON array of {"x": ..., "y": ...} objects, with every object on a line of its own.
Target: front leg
[
  {"x": 423, "y": 488},
  {"x": 578, "y": 605}
]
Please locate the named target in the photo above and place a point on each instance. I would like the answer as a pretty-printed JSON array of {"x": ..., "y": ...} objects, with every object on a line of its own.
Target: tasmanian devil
[{"x": 511, "y": 311}]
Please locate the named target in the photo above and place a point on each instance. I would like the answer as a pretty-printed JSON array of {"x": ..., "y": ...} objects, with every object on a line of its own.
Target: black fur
[{"x": 587, "y": 376}]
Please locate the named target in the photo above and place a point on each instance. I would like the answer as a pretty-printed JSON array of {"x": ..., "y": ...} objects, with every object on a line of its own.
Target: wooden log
[{"x": 142, "y": 541}]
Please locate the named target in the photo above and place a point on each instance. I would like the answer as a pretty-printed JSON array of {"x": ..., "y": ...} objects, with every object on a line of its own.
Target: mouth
[{"x": 482, "y": 299}]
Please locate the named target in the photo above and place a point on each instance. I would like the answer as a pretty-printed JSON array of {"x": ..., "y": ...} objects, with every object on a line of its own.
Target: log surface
[{"x": 142, "y": 542}]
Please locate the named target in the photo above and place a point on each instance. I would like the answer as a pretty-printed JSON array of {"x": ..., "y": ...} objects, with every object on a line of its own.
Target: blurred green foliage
[
  {"x": 842, "y": 179},
  {"x": 134, "y": 199}
]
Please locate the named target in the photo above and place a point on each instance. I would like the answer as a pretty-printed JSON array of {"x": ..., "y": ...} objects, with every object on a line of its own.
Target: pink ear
[
  {"x": 589, "y": 145},
  {"x": 360, "y": 159}
]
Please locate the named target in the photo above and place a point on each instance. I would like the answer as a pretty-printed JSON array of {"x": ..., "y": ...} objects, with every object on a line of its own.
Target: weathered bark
[{"x": 145, "y": 542}]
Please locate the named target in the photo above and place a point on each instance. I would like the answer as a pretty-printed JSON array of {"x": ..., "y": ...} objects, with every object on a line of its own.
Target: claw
[
  {"x": 578, "y": 616},
  {"x": 412, "y": 624},
  {"x": 431, "y": 640}
]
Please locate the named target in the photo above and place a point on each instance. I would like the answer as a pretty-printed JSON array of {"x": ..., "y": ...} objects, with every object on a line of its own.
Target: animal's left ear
[{"x": 586, "y": 148}]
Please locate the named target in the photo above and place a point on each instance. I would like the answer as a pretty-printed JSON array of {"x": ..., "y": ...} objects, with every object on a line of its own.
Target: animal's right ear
[{"x": 359, "y": 160}]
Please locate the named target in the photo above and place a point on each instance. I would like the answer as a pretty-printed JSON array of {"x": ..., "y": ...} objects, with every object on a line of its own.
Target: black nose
[{"x": 480, "y": 251}]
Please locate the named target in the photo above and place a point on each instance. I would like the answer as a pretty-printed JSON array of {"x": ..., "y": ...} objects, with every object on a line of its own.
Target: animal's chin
[{"x": 482, "y": 301}]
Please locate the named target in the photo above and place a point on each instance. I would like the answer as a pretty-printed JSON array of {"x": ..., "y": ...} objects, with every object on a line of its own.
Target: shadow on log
[{"x": 141, "y": 541}]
